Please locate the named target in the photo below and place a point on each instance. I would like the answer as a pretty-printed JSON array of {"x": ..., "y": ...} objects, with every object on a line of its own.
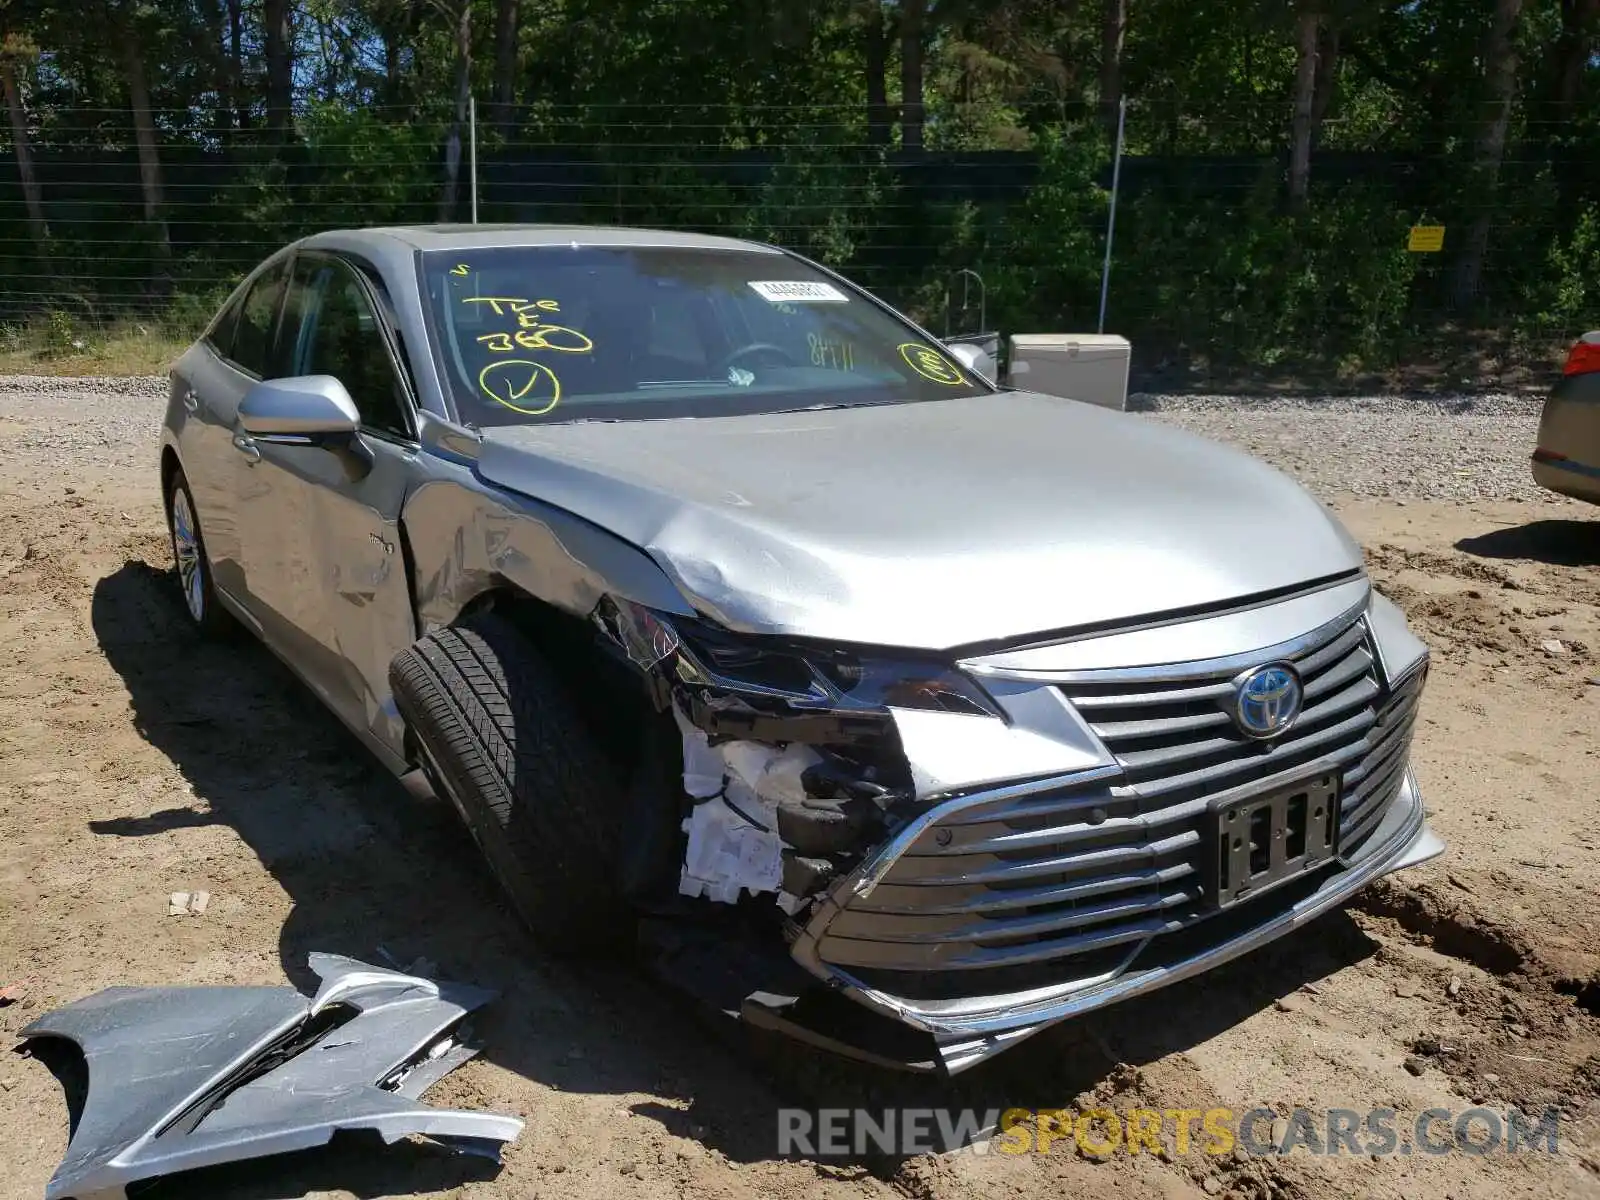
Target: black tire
[
  {"x": 512, "y": 754},
  {"x": 205, "y": 613}
]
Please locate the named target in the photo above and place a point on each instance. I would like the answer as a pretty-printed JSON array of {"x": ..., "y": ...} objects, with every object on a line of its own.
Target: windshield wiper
[{"x": 833, "y": 405}]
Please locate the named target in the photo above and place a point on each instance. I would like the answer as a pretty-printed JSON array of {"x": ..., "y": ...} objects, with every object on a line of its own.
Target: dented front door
[{"x": 321, "y": 524}]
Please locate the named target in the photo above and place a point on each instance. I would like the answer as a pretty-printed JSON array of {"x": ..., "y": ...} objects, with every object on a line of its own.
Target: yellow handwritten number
[
  {"x": 568, "y": 341},
  {"x": 460, "y": 269}
]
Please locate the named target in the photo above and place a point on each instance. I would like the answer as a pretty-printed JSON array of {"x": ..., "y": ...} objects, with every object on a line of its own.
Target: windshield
[{"x": 563, "y": 333}]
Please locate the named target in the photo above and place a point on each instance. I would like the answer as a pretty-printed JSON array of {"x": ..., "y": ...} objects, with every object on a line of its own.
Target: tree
[
  {"x": 459, "y": 13},
  {"x": 913, "y": 29},
  {"x": 1327, "y": 74},
  {"x": 236, "y": 62},
  {"x": 1113, "y": 31},
  {"x": 277, "y": 29},
  {"x": 1573, "y": 50},
  {"x": 15, "y": 50},
  {"x": 875, "y": 67},
  {"x": 1489, "y": 147},
  {"x": 1308, "y": 34},
  {"x": 124, "y": 25},
  {"x": 505, "y": 62}
]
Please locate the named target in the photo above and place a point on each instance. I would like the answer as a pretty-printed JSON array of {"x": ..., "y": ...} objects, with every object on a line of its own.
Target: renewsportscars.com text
[{"x": 1100, "y": 1132}]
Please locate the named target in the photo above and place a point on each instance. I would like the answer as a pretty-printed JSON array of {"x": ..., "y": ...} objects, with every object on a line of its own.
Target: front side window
[
  {"x": 330, "y": 328},
  {"x": 563, "y": 333}
]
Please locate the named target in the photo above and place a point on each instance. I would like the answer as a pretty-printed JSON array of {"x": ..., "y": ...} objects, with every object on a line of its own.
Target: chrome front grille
[
  {"x": 1175, "y": 740},
  {"x": 1030, "y": 889}
]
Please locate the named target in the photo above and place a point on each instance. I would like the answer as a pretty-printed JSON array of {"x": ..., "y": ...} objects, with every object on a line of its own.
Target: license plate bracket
[{"x": 1264, "y": 839}]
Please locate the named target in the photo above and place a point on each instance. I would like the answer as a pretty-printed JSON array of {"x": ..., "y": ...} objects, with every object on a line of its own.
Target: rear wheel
[
  {"x": 194, "y": 568},
  {"x": 505, "y": 741}
]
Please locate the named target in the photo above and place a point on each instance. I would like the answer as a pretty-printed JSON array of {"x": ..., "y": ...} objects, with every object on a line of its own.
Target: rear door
[
  {"x": 237, "y": 351},
  {"x": 320, "y": 526}
]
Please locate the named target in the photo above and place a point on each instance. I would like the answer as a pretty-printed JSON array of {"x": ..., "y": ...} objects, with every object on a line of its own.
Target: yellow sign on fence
[{"x": 1426, "y": 239}]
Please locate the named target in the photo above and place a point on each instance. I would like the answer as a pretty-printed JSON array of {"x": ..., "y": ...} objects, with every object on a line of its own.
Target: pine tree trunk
[
  {"x": 1327, "y": 72},
  {"x": 32, "y": 197},
  {"x": 279, "y": 46},
  {"x": 453, "y": 139},
  {"x": 1572, "y": 52},
  {"x": 877, "y": 67},
  {"x": 1489, "y": 147},
  {"x": 236, "y": 63},
  {"x": 144, "y": 135},
  {"x": 1113, "y": 31},
  {"x": 1307, "y": 26},
  {"x": 505, "y": 62},
  {"x": 912, "y": 20}
]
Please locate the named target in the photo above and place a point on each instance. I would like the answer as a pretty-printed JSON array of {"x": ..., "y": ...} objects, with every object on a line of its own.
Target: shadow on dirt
[
  {"x": 373, "y": 873},
  {"x": 1558, "y": 543}
]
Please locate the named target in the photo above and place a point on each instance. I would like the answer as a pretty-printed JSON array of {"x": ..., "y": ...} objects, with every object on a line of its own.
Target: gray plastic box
[{"x": 1092, "y": 367}]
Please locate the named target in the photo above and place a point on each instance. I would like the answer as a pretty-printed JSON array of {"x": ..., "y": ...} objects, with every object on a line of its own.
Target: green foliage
[
  {"x": 747, "y": 117},
  {"x": 1244, "y": 284},
  {"x": 1050, "y": 252},
  {"x": 1563, "y": 299},
  {"x": 188, "y": 313},
  {"x": 60, "y": 335},
  {"x": 822, "y": 205}
]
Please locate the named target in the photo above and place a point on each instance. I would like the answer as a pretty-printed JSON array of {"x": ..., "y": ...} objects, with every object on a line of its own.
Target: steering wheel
[{"x": 755, "y": 348}]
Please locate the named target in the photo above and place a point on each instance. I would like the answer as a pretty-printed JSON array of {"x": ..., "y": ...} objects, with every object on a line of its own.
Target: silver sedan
[{"x": 748, "y": 625}]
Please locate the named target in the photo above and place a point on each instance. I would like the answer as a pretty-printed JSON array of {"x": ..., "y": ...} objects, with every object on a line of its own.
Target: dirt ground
[{"x": 135, "y": 762}]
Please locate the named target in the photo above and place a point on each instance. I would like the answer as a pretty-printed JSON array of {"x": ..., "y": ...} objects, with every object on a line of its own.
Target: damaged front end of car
[{"x": 956, "y": 855}]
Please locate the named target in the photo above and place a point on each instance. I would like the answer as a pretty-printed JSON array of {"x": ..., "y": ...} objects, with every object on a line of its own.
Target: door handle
[
  {"x": 191, "y": 402},
  {"x": 246, "y": 445}
]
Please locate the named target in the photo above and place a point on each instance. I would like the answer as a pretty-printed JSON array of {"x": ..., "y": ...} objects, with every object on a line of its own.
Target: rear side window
[
  {"x": 251, "y": 345},
  {"x": 220, "y": 338}
]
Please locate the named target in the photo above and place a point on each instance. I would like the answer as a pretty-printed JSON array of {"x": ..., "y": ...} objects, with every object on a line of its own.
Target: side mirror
[
  {"x": 975, "y": 358},
  {"x": 304, "y": 406}
]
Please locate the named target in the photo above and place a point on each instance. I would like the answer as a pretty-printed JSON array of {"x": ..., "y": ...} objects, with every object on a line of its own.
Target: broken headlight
[
  {"x": 768, "y": 671},
  {"x": 792, "y": 751}
]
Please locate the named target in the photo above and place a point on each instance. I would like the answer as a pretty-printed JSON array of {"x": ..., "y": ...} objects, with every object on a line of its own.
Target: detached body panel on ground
[{"x": 980, "y": 708}]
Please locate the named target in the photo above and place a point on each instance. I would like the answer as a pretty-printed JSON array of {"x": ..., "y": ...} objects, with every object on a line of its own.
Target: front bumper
[
  {"x": 1012, "y": 906},
  {"x": 961, "y": 1040},
  {"x": 1568, "y": 477}
]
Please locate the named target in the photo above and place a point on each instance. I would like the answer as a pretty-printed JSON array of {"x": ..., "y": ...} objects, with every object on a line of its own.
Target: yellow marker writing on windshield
[
  {"x": 930, "y": 364},
  {"x": 460, "y": 269},
  {"x": 494, "y": 302},
  {"x": 543, "y": 337},
  {"x": 554, "y": 337},
  {"x": 521, "y": 385}
]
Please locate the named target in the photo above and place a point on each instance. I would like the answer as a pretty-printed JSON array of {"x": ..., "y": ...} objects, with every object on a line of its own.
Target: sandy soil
[{"x": 135, "y": 762}]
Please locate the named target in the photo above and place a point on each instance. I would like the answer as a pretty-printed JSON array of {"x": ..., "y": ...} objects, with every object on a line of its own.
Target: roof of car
[{"x": 468, "y": 237}]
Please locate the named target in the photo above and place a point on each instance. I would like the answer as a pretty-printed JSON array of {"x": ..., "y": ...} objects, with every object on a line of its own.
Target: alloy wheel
[{"x": 186, "y": 549}]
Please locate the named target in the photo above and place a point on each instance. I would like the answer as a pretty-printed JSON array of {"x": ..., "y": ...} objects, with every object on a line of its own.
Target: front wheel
[{"x": 515, "y": 759}]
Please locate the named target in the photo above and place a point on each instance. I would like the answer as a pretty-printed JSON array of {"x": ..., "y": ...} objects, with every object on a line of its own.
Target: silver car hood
[{"x": 931, "y": 525}]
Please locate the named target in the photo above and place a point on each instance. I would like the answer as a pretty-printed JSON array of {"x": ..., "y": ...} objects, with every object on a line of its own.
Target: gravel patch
[
  {"x": 117, "y": 420},
  {"x": 83, "y": 385},
  {"x": 1447, "y": 448}
]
